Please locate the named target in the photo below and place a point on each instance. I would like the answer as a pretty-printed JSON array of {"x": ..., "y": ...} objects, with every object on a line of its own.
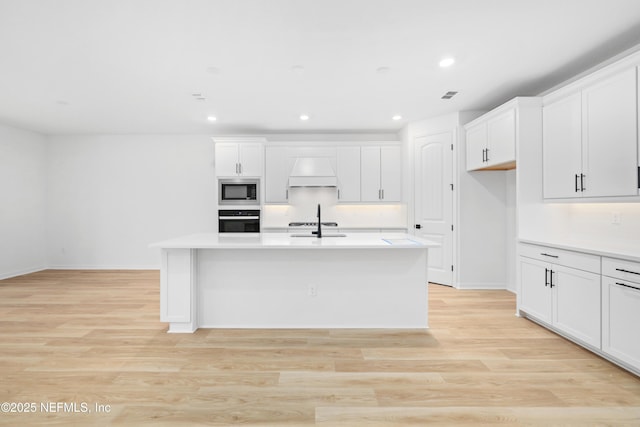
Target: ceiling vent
[{"x": 449, "y": 95}]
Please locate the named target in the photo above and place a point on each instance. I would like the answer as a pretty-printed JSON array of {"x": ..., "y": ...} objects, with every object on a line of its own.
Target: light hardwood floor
[{"x": 94, "y": 337}]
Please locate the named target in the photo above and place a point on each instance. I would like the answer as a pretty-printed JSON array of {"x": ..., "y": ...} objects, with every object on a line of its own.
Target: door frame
[{"x": 453, "y": 139}]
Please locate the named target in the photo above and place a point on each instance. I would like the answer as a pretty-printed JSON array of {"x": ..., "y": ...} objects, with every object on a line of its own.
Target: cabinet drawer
[
  {"x": 621, "y": 269},
  {"x": 578, "y": 260}
]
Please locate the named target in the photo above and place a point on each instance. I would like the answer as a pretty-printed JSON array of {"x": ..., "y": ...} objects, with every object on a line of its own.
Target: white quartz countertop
[
  {"x": 285, "y": 240},
  {"x": 629, "y": 251}
]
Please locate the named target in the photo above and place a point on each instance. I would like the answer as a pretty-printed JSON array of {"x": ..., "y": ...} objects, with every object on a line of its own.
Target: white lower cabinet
[
  {"x": 562, "y": 289},
  {"x": 592, "y": 299},
  {"x": 621, "y": 311},
  {"x": 576, "y": 303}
]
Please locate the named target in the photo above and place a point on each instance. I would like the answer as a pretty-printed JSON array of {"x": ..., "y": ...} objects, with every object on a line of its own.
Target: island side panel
[
  {"x": 178, "y": 289},
  {"x": 312, "y": 288}
]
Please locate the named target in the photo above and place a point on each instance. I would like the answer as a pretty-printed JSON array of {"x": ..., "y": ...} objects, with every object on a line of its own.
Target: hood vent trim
[{"x": 312, "y": 172}]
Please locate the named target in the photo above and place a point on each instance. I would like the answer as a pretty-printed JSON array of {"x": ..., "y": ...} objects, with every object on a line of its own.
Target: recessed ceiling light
[
  {"x": 304, "y": 117},
  {"x": 212, "y": 118},
  {"x": 397, "y": 117},
  {"x": 383, "y": 70},
  {"x": 297, "y": 68},
  {"x": 213, "y": 70},
  {"x": 62, "y": 103},
  {"x": 447, "y": 62}
]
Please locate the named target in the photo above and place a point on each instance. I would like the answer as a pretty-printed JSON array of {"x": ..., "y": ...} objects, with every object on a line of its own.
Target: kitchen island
[{"x": 278, "y": 280}]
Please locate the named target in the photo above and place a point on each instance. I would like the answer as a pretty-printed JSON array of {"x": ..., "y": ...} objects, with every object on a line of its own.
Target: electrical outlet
[
  {"x": 313, "y": 291},
  {"x": 615, "y": 218}
]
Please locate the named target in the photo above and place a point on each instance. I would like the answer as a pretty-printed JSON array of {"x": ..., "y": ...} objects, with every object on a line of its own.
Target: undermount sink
[{"x": 323, "y": 235}]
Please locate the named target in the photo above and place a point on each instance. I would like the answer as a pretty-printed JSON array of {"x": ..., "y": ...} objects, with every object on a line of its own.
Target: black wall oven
[
  {"x": 239, "y": 191},
  {"x": 239, "y": 221}
]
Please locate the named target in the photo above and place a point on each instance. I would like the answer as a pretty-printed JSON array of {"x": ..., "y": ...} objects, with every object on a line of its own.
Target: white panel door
[
  {"x": 276, "y": 174},
  {"x": 620, "y": 320},
  {"x": 610, "y": 145},
  {"x": 501, "y": 139},
  {"x": 348, "y": 172},
  {"x": 476, "y": 145},
  {"x": 251, "y": 159},
  {"x": 576, "y": 303},
  {"x": 391, "y": 174},
  {"x": 226, "y": 159},
  {"x": 562, "y": 147},
  {"x": 535, "y": 293},
  {"x": 434, "y": 202},
  {"x": 370, "y": 174}
]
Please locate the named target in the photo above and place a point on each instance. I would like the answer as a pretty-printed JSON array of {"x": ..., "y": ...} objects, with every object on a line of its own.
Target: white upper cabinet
[
  {"x": 590, "y": 144},
  {"x": 348, "y": 172},
  {"x": 381, "y": 175},
  {"x": 239, "y": 158},
  {"x": 476, "y": 146},
  {"x": 491, "y": 140},
  {"x": 501, "y": 139},
  {"x": 562, "y": 147},
  {"x": 276, "y": 175},
  {"x": 610, "y": 157}
]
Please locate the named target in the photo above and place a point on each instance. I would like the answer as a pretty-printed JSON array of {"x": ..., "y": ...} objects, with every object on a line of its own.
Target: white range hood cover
[{"x": 312, "y": 172}]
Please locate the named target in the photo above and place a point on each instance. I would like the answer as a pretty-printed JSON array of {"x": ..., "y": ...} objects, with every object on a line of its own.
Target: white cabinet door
[
  {"x": 276, "y": 174},
  {"x": 239, "y": 159},
  {"x": 620, "y": 320},
  {"x": 501, "y": 139},
  {"x": 348, "y": 173},
  {"x": 381, "y": 174},
  {"x": 391, "y": 174},
  {"x": 370, "y": 174},
  {"x": 250, "y": 159},
  {"x": 610, "y": 145},
  {"x": 476, "y": 146},
  {"x": 576, "y": 303},
  {"x": 562, "y": 147},
  {"x": 226, "y": 159},
  {"x": 535, "y": 293}
]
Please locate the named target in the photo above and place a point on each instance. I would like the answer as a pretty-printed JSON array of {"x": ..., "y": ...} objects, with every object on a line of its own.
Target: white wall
[
  {"x": 110, "y": 196},
  {"x": 593, "y": 222},
  {"x": 22, "y": 201}
]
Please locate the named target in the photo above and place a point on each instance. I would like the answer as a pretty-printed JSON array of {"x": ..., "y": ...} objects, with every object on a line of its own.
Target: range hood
[{"x": 312, "y": 172}]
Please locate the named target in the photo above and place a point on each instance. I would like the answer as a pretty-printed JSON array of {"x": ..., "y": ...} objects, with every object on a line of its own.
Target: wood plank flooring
[{"x": 94, "y": 337}]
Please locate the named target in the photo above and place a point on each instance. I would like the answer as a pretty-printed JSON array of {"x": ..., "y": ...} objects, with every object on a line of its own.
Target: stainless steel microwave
[{"x": 239, "y": 191}]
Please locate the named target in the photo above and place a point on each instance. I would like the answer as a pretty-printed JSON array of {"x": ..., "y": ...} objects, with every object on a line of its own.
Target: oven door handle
[{"x": 238, "y": 217}]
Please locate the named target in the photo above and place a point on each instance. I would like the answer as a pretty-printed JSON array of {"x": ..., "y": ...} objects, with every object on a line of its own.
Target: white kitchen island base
[{"x": 295, "y": 283}]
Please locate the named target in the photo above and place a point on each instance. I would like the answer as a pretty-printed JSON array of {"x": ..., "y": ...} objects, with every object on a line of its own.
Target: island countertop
[{"x": 287, "y": 240}]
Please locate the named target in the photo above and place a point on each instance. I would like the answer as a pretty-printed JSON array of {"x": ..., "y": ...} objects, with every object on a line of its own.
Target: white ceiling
[{"x": 131, "y": 66}]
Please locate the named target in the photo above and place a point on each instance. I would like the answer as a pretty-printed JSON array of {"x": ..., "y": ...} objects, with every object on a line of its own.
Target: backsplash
[
  {"x": 303, "y": 203},
  {"x": 597, "y": 221}
]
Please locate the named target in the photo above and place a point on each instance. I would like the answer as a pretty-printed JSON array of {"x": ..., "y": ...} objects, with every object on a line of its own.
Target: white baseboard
[
  {"x": 104, "y": 267},
  {"x": 483, "y": 285},
  {"x": 8, "y": 275}
]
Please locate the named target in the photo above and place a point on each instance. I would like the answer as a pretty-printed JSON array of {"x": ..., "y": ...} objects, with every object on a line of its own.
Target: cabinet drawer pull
[
  {"x": 627, "y": 271},
  {"x": 627, "y": 286},
  {"x": 549, "y": 255}
]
